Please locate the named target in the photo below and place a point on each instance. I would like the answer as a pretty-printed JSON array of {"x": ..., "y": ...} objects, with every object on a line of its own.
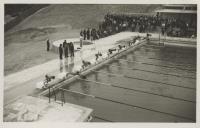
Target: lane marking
[
  {"x": 150, "y": 80},
  {"x": 190, "y": 70},
  {"x": 126, "y": 88},
  {"x": 135, "y": 106}
]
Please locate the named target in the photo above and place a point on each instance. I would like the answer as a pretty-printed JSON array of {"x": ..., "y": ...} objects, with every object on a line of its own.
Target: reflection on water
[
  {"x": 108, "y": 68},
  {"x": 85, "y": 87},
  {"x": 71, "y": 65},
  {"x": 67, "y": 64},
  {"x": 61, "y": 66},
  {"x": 66, "y": 61},
  {"x": 96, "y": 76}
]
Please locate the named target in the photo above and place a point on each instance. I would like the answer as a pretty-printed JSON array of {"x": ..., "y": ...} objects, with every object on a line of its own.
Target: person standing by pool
[
  {"x": 81, "y": 33},
  {"x": 64, "y": 43},
  {"x": 84, "y": 34},
  {"x": 71, "y": 47},
  {"x": 48, "y": 45},
  {"x": 65, "y": 47},
  {"x": 60, "y": 51},
  {"x": 88, "y": 34}
]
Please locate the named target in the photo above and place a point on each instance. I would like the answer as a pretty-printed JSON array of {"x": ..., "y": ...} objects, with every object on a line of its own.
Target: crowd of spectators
[{"x": 114, "y": 23}]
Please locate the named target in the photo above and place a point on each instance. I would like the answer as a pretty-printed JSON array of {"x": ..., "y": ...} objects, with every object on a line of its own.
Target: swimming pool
[{"x": 150, "y": 84}]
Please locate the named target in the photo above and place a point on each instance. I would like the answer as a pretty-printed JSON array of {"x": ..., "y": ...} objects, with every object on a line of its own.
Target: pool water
[{"x": 149, "y": 84}]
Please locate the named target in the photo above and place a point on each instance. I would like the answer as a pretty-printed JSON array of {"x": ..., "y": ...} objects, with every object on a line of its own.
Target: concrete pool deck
[
  {"x": 23, "y": 83},
  {"x": 32, "y": 109}
]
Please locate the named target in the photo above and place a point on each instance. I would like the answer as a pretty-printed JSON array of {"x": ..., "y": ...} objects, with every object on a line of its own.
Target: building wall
[{"x": 189, "y": 18}]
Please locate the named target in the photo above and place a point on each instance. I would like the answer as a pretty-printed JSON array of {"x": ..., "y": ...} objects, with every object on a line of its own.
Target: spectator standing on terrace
[
  {"x": 48, "y": 45},
  {"x": 186, "y": 28},
  {"x": 64, "y": 44},
  {"x": 98, "y": 34},
  {"x": 117, "y": 23},
  {"x": 81, "y": 33},
  {"x": 163, "y": 28},
  {"x": 88, "y": 34},
  {"x": 60, "y": 51},
  {"x": 93, "y": 34}
]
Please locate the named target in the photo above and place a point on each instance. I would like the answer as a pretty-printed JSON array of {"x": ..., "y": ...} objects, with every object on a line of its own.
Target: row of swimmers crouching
[{"x": 62, "y": 76}]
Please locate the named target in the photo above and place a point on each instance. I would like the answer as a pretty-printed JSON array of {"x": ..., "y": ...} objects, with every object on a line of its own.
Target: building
[{"x": 185, "y": 12}]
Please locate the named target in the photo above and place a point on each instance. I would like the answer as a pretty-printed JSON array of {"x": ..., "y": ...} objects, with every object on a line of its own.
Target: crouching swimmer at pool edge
[
  {"x": 110, "y": 51},
  {"x": 121, "y": 47},
  {"x": 134, "y": 40},
  {"x": 85, "y": 64},
  {"x": 147, "y": 37},
  {"x": 98, "y": 55},
  {"x": 76, "y": 73},
  {"x": 47, "y": 80}
]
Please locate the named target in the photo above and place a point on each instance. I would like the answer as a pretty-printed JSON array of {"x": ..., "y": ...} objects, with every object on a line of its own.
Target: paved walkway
[
  {"x": 31, "y": 109},
  {"x": 24, "y": 82}
]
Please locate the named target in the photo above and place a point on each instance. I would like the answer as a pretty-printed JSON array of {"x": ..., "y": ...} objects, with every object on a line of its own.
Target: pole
[
  {"x": 62, "y": 97},
  {"x": 164, "y": 39},
  {"x": 159, "y": 38},
  {"x": 54, "y": 94},
  {"x": 49, "y": 95},
  {"x": 81, "y": 41}
]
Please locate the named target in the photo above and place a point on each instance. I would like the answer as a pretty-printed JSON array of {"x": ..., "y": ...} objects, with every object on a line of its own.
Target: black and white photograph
[{"x": 102, "y": 63}]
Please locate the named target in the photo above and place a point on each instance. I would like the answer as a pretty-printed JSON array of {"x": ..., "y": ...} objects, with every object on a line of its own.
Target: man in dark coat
[
  {"x": 92, "y": 34},
  {"x": 84, "y": 34},
  {"x": 88, "y": 34},
  {"x": 81, "y": 33},
  {"x": 60, "y": 51},
  {"x": 71, "y": 47},
  {"x": 64, "y": 43},
  {"x": 65, "y": 47},
  {"x": 48, "y": 45}
]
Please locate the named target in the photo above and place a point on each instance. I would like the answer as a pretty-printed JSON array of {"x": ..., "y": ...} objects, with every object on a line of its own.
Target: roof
[
  {"x": 179, "y": 5},
  {"x": 134, "y": 14},
  {"x": 176, "y": 11}
]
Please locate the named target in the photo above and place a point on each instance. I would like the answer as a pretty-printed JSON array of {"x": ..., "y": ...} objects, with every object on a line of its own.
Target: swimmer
[
  {"x": 111, "y": 50},
  {"x": 85, "y": 63},
  {"x": 97, "y": 55},
  {"x": 76, "y": 73}
]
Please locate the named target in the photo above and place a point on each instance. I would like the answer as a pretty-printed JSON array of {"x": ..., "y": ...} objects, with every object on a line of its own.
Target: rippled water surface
[{"x": 150, "y": 84}]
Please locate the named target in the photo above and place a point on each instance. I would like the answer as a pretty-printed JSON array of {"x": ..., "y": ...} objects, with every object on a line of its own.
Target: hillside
[
  {"x": 15, "y": 13},
  {"x": 77, "y": 16}
]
